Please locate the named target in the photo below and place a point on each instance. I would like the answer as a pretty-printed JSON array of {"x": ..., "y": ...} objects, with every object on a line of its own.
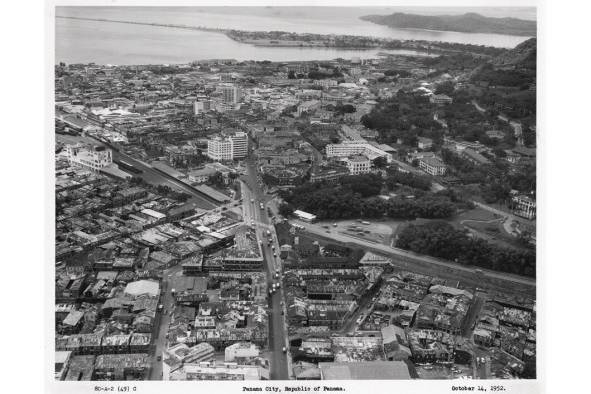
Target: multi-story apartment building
[
  {"x": 239, "y": 145},
  {"x": 230, "y": 93},
  {"x": 228, "y": 148},
  {"x": 94, "y": 158}
]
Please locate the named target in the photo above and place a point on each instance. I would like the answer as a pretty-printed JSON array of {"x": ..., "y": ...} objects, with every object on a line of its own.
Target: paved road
[
  {"x": 167, "y": 300},
  {"x": 401, "y": 253},
  {"x": 510, "y": 218},
  {"x": 478, "y": 107},
  {"x": 262, "y": 224}
]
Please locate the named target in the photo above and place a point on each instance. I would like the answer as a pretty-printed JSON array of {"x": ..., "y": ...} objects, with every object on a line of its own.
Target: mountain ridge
[{"x": 470, "y": 22}]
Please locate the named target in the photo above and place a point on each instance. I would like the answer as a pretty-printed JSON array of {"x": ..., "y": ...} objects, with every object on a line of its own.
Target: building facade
[
  {"x": 349, "y": 148},
  {"x": 358, "y": 164},
  {"x": 524, "y": 207},
  {"x": 200, "y": 107},
  {"x": 229, "y": 148},
  {"x": 432, "y": 166},
  {"x": 231, "y": 94},
  {"x": 94, "y": 158}
]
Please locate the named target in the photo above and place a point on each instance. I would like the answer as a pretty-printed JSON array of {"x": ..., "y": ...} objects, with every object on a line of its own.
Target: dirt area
[{"x": 379, "y": 232}]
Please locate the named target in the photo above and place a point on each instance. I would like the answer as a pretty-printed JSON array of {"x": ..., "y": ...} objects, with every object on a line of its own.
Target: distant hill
[
  {"x": 523, "y": 55},
  {"x": 466, "y": 23},
  {"x": 514, "y": 68}
]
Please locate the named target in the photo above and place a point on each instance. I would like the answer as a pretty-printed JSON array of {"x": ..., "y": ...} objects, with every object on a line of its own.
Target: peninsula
[{"x": 467, "y": 23}]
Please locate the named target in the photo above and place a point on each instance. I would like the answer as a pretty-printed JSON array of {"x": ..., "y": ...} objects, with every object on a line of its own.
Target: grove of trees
[{"x": 441, "y": 239}]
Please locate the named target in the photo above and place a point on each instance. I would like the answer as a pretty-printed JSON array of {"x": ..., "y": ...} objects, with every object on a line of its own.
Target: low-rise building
[
  {"x": 424, "y": 143},
  {"x": 370, "y": 370},
  {"x": 211, "y": 371},
  {"x": 122, "y": 366},
  {"x": 348, "y": 148},
  {"x": 358, "y": 164},
  {"x": 441, "y": 99},
  {"x": 524, "y": 206},
  {"x": 432, "y": 166},
  {"x": 241, "y": 352},
  {"x": 474, "y": 157}
]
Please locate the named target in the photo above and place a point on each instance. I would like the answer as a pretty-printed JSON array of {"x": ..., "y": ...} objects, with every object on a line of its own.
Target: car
[
  {"x": 159, "y": 358},
  {"x": 274, "y": 254},
  {"x": 284, "y": 349},
  {"x": 328, "y": 231},
  {"x": 252, "y": 200}
]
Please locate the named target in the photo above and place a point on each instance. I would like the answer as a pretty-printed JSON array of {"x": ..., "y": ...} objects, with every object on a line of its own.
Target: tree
[
  {"x": 286, "y": 210},
  {"x": 441, "y": 239},
  {"x": 380, "y": 162},
  {"x": 345, "y": 109},
  {"x": 446, "y": 87}
]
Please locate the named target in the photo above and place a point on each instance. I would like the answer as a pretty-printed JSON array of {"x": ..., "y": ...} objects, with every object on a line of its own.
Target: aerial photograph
[{"x": 294, "y": 193}]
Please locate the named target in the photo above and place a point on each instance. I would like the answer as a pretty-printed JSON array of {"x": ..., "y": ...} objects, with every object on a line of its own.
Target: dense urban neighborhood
[{"x": 361, "y": 218}]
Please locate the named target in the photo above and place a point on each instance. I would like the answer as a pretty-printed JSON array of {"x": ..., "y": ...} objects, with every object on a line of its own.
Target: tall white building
[
  {"x": 228, "y": 148},
  {"x": 230, "y": 93},
  {"x": 239, "y": 145},
  {"x": 93, "y": 158}
]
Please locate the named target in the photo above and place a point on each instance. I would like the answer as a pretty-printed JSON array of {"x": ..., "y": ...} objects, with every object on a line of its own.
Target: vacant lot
[{"x": 379, "y": 232}]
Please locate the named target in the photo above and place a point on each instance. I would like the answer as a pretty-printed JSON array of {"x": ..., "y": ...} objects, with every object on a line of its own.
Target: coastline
[{"x": 310, "y": 40}]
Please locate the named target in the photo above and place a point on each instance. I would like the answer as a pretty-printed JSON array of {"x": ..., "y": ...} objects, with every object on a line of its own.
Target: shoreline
[{"x": 419, "y": 46}]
